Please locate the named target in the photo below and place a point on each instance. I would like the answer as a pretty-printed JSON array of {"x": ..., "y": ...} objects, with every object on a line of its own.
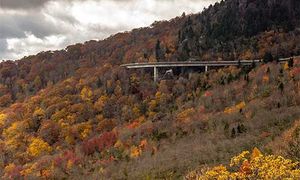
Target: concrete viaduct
[{"x": 192, "y": 63}]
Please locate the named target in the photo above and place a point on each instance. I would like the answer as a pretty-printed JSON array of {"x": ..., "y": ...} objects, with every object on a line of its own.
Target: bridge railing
[{"x": 196, "y": 63}]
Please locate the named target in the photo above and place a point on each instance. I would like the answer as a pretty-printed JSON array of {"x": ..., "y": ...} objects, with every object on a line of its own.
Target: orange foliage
[
  {"x": 136, "y": 123},
  {"x": 236, "y": 108},
  {"x": 208, "y": 94},
  {"x": 186, "y": 115},
  {"x": 266, "y": 79}
]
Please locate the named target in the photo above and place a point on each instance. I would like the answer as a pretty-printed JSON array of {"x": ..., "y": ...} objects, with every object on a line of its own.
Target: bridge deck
[{"x": 192, "y": 63}]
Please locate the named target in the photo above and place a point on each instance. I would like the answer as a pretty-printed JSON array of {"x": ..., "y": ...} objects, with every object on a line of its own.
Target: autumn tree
[{"x": 159, "y": 52}]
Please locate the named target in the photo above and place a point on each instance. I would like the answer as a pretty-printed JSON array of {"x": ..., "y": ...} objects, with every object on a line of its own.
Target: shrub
[
  {"x": 38, "y": 147},
  {"x": 252, "y": 166},
  {"x": 106, "y": 140}
]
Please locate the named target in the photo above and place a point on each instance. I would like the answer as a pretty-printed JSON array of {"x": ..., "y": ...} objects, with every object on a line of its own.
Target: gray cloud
[
  {"x": 34, "y": 4},
  {"x": 31, "y": 4},
  {"x": 30, "y": 26},
  {"x": 3, "y": 45},
  {"x": 21, "y": 4},
  {"x": 16, "y": 25}
]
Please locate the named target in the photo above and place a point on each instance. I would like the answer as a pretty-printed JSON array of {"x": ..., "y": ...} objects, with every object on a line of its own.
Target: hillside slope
[
  {"x": 75, "y": 113},
  {"x": 231, "y": 29}
]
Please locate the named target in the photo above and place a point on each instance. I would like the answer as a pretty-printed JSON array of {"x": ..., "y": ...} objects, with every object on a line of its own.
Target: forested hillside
[
  {"x": 75, "y": 113},
  {"x": 237, "y": 29}
]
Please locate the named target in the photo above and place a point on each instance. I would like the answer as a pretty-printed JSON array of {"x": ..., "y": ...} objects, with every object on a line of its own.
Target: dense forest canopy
[{"x": 76, "y": 113}]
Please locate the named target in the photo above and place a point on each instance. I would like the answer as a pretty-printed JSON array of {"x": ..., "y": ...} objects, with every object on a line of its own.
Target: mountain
[
  {"x": 75, "y": 113},
  {"x": 235, "y": 28}
]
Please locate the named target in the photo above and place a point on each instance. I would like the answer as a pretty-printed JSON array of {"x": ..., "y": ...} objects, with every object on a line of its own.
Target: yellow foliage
[
  {"x": 101, "y": 102},
  {"x": 247, "y": 54},
  {"x": 151, "y": 114},
  {"x": 3, "y": 118},
  {"x": 152, "y": 105},
  {"x": 85, "y": 133},
  {"x": 9, "y": 170},
  {"x": 118, "y": 89},
  {"x": 38, "y": 112},
  {"x": 35, "y": 170},
  {"x": 218, "y": 172},
  {"x": 38, "y": 147},
  {"x": 237, "y": 160},
  {"x": 69, "y": 139},
  {"x": 252, "y": 166},
  {"x": 15, "y": 129},
  {"x": 84, "y": 130},
  {"x": 135, "y": 152},
  {"x": 29, "y": 169},
  {"x": 118, "y": 144},
  {"x": 286, "y": 66},
  {"x": 14, "y": 135},
  {"x": 158, "y": 95},
  {"x": 255, "y": 153},
  {"x": 70, "y": 164},
  {"x": 185, "y": 116},
  {"x": 9, "y": 167},
  {"x": 236, "y": 108},
  {"x": 229, "y": 110},
  {"x": 241, "y": 105},
  {"x": 133, "y": 78},
  {"x": 136, "y": 110},
  {"x": 86, "y": 93}
]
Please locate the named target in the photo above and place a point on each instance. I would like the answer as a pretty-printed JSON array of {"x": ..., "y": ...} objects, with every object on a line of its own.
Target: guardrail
[{"x": 195, "y": 63}]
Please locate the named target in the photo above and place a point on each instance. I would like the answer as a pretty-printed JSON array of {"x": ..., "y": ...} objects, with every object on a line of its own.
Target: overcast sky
[{"x": 30, "y": 26}]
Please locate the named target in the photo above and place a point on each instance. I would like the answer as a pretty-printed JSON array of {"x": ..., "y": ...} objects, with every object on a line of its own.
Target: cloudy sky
[{"x": 30, "y": 26}]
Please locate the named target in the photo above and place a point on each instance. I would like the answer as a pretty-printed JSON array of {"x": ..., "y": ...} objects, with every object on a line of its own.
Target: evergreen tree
[
  {"x": 291, "y": 62},
  {"x": 159, "y": 54},
  {"x": 253, "y": 65},
  {"x": 239, "y": 130},
  {"x": 243, "y": 128},
  {"x": 233, "y": 133},
  {"x": 268, "y": 57},
  {"x": 281, "y": 87}
]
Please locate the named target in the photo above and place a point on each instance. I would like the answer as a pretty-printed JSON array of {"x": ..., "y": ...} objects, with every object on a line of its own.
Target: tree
[
  {"x": 291, "y": 62},
  {"x": 38, "y": 147},
  {"x": 268, "y": 57},
  {"x": 49, "y": 131},
  {"x": 233, "y": 133},
  {"x": 118, "y": 89},
  {"x": 37, "y": 83},
  {"x": 253, "y": 165},
  {"x": 86, "y": 94},
  {"x": 253, "y": 65},
  {"x": 281, "y": 87},
  {"x": 100, "y": 103},
  {"x": 5, "y": 100},
  {"x": 159, "y": 53}
]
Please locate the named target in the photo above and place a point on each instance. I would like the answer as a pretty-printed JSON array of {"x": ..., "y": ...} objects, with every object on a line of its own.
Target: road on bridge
[{"x": 194, "y": 63}]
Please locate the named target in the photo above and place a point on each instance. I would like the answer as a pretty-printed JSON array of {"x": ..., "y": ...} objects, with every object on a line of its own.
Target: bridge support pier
[
  {"x": 206, "y": 68},
  {"x": 155, "y": 73}
]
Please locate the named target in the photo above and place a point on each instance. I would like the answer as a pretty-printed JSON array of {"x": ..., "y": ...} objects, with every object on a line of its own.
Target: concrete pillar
[
  {"x": 182, "y": 70},
  {"x": 206, "y": 68},
  {"x": 155, "y": 73},
  {"x": 190, "y": 72},
  {"x": 190, "y": 75}
]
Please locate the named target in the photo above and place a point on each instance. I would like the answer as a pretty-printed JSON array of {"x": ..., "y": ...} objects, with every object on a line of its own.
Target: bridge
[{"x": 193, "y": 63}]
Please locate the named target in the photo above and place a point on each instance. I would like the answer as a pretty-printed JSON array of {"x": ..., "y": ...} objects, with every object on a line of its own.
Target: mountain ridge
[{"x": 76, "y": 113}]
